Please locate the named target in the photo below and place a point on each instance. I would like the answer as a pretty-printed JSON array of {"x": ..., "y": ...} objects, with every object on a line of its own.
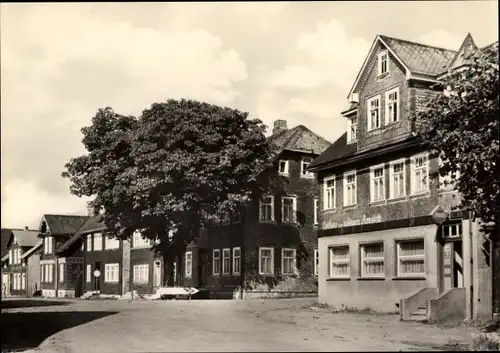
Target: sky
[{"x": 61, "y": 62}]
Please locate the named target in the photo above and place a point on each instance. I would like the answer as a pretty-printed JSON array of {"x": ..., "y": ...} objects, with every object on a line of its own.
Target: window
[
  {"x": 139, "y": 242},
  {"x": 303, "y": 168},
  {"x": 97, "y": 242},
  {"x": 373, "y": 110},
  {"x": 50, "y": 273},
  {"x": 339, "y": 261},
  {"x": 88, "y": 274},
  {"x": 411, "y": 258},
  {"x": 216, "y": 262},
  {"x": 11, "y": 257},
  {"x": 352, "y": 130},
  {"x": 283, "y": 167},
  {"x": 329, "y": 202},
  {"x": 23, "y": 281},
  {"x": 141, "y": 273},
  {"x": 392, "y": 106},
  {"x": 111, "y": 243},
  {"x": 316, "y": 262},
  {"x": 61, "y": 272},
  {"x": 452, "y": 231},
  {"x": 288, "y": 209},
  {"x": 226, "y": 261},
  {"x": 383, "y": 62},
  {"x": 189, "y": 264},
  {"x": 111, "y": 272},
  {"x": 15, "y": 281},
  {"x": 83, "y": 246},
  {"x": 372, "y": 260},
  {"x": 377, "y": 183},
  {"x": 89, "y": 242},
  {"x": 397, "y": 179},
  {"x": 350, "y": 189},
  {"x": 266, "y": 209},
  {"x": 266, "y": 261},
  {"x": 288, "y": 261},
  {"x": 316, "y": 210},
  {"x": 236, "y": 261},
  {"x": 48, "y": 245},
  {"x": 420, "y": 174}
]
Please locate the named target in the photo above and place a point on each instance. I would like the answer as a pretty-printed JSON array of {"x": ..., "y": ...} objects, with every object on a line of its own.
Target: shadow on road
[
  {"x": 29, "y": 303},
  {"x": 24, "y": 330}
]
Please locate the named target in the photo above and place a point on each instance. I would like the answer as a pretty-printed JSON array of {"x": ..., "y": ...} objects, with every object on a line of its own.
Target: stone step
[{"x": 416, "y": 316}]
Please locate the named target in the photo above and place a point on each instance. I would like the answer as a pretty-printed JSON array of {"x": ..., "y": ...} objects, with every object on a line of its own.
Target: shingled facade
[
  {"x": 270, "y": 247},
  {"x": 379, "y": 247}
]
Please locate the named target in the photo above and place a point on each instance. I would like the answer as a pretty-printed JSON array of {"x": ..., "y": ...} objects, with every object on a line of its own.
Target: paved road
[{"x": 216, "y": 326}]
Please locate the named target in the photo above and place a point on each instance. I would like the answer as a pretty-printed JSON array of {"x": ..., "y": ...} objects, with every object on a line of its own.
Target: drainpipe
[{"x": 471, "y": 265}]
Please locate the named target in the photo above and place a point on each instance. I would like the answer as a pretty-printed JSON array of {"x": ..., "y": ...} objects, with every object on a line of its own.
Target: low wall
[
  {"x": 449, "y": 306},
  {"x": 419, "y": 299}
]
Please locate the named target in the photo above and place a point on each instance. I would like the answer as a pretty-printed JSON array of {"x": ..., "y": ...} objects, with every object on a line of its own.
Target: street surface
[{"x": 210, "y": 325}]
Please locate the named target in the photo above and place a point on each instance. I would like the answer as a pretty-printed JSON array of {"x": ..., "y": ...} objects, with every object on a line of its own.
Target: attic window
[
  {"x": 283, "y": 167},
  {"x": 383, "y": 62},
  {"x": 352, "y": 130},
  {"x": 303, "y": 170}
]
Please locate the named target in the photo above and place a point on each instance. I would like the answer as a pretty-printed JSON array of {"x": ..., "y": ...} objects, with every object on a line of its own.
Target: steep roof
[
  {"x": 26, "y": 237},
  {"x": 63, "y": 224},
  {"x": 459, "y": 59},
  {"x": 33, "y": 249},
  {"x": 337, "y": 150},
  {"x": 299, "y": 139},
  {"x": 420, "y": 58},
  {"x": 5, "y": 237},
  {"x": 92, "y": 224}
]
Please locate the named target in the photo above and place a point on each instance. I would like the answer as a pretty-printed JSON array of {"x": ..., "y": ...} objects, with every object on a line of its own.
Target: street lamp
[{"x": 492, "y": 230}]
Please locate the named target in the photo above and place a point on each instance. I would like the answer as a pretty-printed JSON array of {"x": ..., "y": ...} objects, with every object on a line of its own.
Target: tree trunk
[{"x": 495, "y": 273}]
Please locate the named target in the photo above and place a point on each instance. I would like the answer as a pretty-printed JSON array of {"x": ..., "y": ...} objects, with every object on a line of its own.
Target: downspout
[{"x": 471, "y": 265}]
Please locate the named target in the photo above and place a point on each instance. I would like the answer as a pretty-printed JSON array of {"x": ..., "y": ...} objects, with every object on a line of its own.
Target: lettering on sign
[{"x": 356, "y": 222}]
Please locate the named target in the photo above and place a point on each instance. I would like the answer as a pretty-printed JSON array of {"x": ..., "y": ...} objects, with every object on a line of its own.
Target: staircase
[{"x": 419, "y": 315}]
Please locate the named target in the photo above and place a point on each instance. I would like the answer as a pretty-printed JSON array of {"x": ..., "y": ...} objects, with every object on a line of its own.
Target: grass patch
[{"x": 486, "y": 342}]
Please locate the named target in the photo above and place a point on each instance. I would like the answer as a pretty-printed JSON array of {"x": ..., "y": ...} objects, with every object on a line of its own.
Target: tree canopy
[
  {"x": 461, "y": 125},
  {"x": 182, "y": 163}
]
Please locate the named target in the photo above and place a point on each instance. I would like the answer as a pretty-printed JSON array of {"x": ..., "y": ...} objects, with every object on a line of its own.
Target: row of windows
[
  {"x": 410, "y": 259},
  {"x": 284, "y": 167},
  {"x": 19, "y": 281},
  {"x": 15, "y": 256},
  {"x": 419, "y": 179},
  {"x": 112, "y": 273},
  {"x": 95, "y": 242},
  {"x": 288, "y": 209},
  {"x": 47, "y": 273}
]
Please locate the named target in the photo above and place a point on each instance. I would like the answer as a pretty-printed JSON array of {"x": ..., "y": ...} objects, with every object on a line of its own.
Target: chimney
[
  {"x": 90, "y": 210},
  {"x": 279, "y": 126}
]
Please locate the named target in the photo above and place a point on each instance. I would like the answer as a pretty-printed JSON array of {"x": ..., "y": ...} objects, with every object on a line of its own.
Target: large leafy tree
[
  {"x": 461, "y": 124},
  {"x": 181, "y": 164}
]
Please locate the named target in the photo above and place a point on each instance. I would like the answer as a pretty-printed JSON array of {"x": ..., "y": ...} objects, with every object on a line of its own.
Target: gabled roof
[
  {"x": 25, "y": 237},
  {"x": 299, "y": 139},
  {"x": 63, "y": 224},
  {"x": 466, "y": 47},
  {"x": 33, "y": 249},
  {"x": 92, "y": 224},
  {"x": 339, "y": 149}
]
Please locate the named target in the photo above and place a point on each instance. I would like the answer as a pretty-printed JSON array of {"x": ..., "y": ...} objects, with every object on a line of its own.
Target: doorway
[
  {"x": 203, "y": 266},
  {"x": 453, "y": 265}
]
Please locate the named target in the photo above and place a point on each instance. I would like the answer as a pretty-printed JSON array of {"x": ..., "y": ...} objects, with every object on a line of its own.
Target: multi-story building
[
  {"x": 270, "y": 246},
  {"x": 21, "y": 264},
  {"x": 378, "y": 244}
]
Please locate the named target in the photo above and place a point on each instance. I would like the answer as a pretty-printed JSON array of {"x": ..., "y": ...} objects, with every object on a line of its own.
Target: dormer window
[
  {"x": 304, "y": 173},
  {"x": 392, "y": 106},
  {"x": 47, "y": 245},
  {"x": 283, "y": 167},
  {"x": 352, "y": 130},
  {"x": 383, "y": 62},
  {"x": 373, "y": 113}
]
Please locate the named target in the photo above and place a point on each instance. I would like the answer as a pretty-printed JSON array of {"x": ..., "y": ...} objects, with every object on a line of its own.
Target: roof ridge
[
  {"x": 315, "y": 134},
  {"x": 417, "y": 43}
]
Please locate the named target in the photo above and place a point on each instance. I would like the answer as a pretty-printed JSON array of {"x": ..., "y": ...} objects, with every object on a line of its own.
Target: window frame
[
  {"x": 61, "y": 273},
  {"x": 315, "y": 211},
  {"x": 287, "y": 167},
  {"x": 90, "y": 242},
  {"x": 379, "y": 62},
  {"x": 369, "y": 110},
  {"x": 306, "y": 161},
  {"x": 372, "y": 183},
  {"x": 413, "y": 173},
  {"x": 350, "y": 138},
  {"x": 110, "y": 271},
  {"x": 226, "y": 271},
  {"x": 145, "y": 272},
  {"x": 391, "y": 178},
  {"x": 188, "y": 264},
  {"x": 234, "y": 261},
  {"x": 48, "y": 245},
  {"x": 398, "y": 105},
  {"x": 331, "y": 260},
  {"x": 294, "y": 208},
  {"x": 398, "y": 257},
  {"x": 261, "y": 203},
  {"x": 97, "y": 239},
  {"x": 362, "y": 257},
  {"x": 23, "y": 281},
  {"x": 294, "y": 262},
  {"x": 271, "y": 260},
  {"x": 346, "y": 184},
  {"x": 114, "y": 242},
  {"x": 326, "y": 188},
  {"x": 88, "y": 273},
  {"x": 138, "y": 242},
  {"x": 218, "y": 258}
]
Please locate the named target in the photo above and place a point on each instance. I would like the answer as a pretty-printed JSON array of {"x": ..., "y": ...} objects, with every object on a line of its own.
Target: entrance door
[
  {"x": 202, "y": 268},
  {"x": 453, "y": 265},
  {"x": 157, "y": 275}
]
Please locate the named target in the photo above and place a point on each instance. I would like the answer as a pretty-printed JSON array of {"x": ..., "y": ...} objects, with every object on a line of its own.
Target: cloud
[
  {"x": 313, "y": 85},
  {"x": 61, "y": 63}
]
